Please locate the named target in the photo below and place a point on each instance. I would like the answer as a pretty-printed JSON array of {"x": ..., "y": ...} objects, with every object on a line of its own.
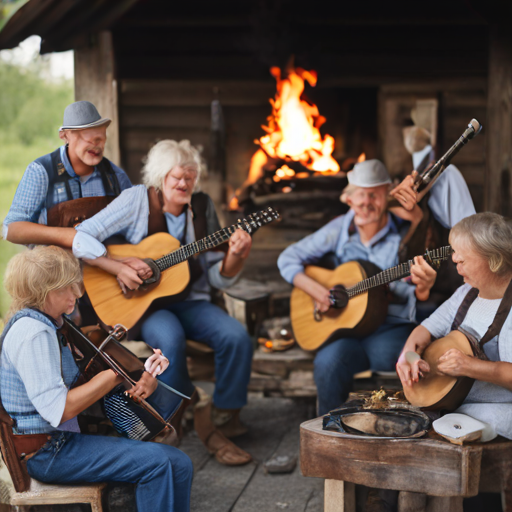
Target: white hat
[{"x": 370, "y": 173}]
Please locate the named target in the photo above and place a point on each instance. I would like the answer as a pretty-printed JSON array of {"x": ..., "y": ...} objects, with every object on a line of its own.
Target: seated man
[
  {"x": 482, "y": 246},
  {"x": 37, "y": 374},
  {"x": 367, "y": 232}
]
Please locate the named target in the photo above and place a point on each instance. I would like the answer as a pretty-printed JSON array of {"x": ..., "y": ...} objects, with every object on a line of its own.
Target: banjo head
[{"x": 434, "y": 387}]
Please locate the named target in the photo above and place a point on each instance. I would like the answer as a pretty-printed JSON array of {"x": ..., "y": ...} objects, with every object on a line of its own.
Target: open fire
[{"x": 292, "y": 138}]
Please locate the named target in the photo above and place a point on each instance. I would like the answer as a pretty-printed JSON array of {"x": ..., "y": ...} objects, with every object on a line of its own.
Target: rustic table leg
[
  {"x": 412, "y": 502},
  {"x": 444, "y": 504},
  {"x": 339, "y": 496}
]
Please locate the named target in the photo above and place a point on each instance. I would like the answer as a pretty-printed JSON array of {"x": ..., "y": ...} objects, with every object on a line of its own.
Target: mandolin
[
  {"x": 365, "y": 301},
  {"x": 435, "y": 391},
  {"x": 169, "y": 263}
]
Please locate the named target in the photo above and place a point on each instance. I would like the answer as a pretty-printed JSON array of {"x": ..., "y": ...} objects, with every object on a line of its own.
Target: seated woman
[
  {"x": 482, "y": 245},
  {"x": 37, "y": 375},
  {"x": 169, "y": 204}
]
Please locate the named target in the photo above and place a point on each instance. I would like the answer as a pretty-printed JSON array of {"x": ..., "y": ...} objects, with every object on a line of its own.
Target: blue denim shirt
[
  {"x": 336, "y": 237},
  {"x": 36, "y": 372}
]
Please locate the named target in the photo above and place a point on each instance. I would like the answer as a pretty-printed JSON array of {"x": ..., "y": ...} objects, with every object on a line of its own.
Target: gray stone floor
[{"x": 273, "y": 431}]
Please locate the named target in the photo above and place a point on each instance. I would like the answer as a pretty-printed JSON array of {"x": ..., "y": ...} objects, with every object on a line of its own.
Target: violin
[{"x": 136, "y": 418}]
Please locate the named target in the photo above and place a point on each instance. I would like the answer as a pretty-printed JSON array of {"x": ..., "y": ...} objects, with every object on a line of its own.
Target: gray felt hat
[
  {"x": 81, "y": 115},
  {"x": 370, "y": 173}
]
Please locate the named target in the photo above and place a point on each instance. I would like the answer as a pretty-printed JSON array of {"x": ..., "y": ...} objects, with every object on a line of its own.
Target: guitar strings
[
  {"x": 249, "y": 224},
  {"x": 400, "y": 271}
]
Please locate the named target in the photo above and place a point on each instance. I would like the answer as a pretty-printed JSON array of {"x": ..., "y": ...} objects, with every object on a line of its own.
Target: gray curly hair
[
  {"x": 164, "y": 156},
  {"x": 490, "y": 235}
]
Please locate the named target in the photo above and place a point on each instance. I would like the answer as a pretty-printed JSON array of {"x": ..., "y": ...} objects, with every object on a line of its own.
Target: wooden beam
[
  {"x": 95, "y": 81},
  {"x": 499, "y": 120}
]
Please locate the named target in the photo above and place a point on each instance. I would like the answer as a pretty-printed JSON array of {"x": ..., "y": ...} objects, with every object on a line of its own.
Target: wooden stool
[{"x": 444, "y": 472}]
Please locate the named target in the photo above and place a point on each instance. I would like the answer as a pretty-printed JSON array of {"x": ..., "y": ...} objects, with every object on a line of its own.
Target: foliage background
[{"x": 31, "y": 108}]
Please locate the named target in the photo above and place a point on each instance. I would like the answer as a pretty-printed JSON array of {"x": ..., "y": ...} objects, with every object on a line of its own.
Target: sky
[{"x": 58, "y": 65}]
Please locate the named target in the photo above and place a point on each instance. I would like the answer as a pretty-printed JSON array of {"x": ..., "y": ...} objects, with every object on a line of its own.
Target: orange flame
[
  {"x": 361, "y": 158},
  {"x": 293, "y": 127}
]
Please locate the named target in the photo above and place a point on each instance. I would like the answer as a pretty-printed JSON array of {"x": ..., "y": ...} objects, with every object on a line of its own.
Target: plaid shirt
[
  {"x": 29, "y": 201},
  {"x": 36, "y": 372}
]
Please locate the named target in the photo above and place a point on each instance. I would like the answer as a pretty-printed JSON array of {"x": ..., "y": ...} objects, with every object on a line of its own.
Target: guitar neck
[
  {"x": 398, "y": 272},
  {"x": 250, "y": 224},
  {"x": 187, "y": 251}
]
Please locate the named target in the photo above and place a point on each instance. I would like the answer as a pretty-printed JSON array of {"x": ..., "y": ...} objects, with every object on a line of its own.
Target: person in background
[{"x": 447, "y": 202}]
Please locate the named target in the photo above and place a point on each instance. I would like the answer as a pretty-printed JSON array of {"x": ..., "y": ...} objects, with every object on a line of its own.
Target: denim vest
[{"x": 12, "y": 388}]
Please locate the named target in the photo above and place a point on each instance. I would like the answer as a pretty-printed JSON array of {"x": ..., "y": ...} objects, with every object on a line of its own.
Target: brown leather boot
[
  {"x": 228, "y": 422},
  {"x": 216, "y": 443}
]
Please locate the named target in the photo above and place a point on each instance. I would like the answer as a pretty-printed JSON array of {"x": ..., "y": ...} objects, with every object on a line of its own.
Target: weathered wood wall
[
  {"x": 172, "y": 58},
  {"x": 152, "y": 110},
  {"x": 499, "y": 129}
]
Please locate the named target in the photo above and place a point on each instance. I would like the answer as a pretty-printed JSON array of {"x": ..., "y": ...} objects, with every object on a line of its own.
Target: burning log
[{"x": 293, "y": 148}]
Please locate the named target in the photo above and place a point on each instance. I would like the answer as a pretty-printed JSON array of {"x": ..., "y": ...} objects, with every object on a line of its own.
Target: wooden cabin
[{"x": 155, "y": 67}]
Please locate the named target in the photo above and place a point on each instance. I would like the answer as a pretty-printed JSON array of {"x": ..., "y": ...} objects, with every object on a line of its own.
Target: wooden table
[{"x": 443, "y": 473}]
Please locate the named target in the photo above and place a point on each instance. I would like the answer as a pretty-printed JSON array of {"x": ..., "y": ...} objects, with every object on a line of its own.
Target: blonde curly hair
[{"x": 32, "y": 274}]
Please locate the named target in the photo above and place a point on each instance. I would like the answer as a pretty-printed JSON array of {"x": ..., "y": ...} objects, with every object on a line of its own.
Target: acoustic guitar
[
  {"x": 365, "y": 301},
  {"x": 171, "y": 274},
  {"x": 441, "y": 392}
]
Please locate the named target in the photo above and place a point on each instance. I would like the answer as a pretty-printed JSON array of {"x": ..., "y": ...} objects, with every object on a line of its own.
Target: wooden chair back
[{"x": 15, "y": 466}]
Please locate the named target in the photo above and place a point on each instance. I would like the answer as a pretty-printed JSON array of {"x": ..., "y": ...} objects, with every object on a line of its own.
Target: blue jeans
[
  {"x": 336, "y": 363},
  {"x": 199, "y": 320},
  {"x": 162, "y": 474}
]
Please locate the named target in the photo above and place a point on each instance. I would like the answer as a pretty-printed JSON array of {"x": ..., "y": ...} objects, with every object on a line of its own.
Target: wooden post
[
  {"x": 499, "y": 120},
  {"x": 339, "y": 496},
  {"x": 95, "y": 82}
]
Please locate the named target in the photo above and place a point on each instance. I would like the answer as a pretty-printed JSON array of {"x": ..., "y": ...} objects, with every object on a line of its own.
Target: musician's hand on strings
[
  {"x": 141, "y": 267},
  {"x": 322, "y": 298},
  {"x": 411, "y": 372},
  {"x": 157, "y": 363},
  {"x": 128, "y": 278},
  {"x": 423, "y": 276},
  {"x": 405, "y": 193},
  {"x": 144, "y": 387},
  {"x": 240, "y": 244},
  {"x": 319, "y": 293},
  {"x": 453, "y": 363}
]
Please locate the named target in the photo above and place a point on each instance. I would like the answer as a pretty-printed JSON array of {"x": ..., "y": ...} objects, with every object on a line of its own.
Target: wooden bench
[{"x": 442, "y": 473}]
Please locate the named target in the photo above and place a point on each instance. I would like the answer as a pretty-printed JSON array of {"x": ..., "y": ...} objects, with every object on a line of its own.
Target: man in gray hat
[
  {"x": 66, "y": 186},
  {"x": 366, "y": 232}
]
